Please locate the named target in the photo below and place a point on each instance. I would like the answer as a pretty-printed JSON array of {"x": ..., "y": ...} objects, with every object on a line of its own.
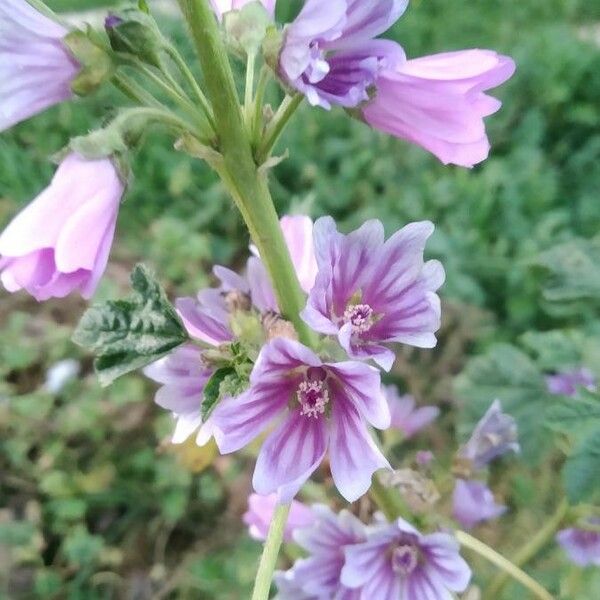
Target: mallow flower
[
  {"x": 581, "y": 545},
  {"x": 369, "y": 292},
  {"x": 473, "y": 502},
  {"x": 60, "y": 242},
  {"x": 439, "y": 102},
  {"x": 406, "y": 417},
  {"x": 315, "y": 407},
  {"x": 566, "y": 383},
  {"x": 397, "y": 561},
  {"x": 329, "y": 53},
  {"x": 221, "y": 7},
  {"x": 260, "y": 511},
  {"x": 36, "y": 67}
]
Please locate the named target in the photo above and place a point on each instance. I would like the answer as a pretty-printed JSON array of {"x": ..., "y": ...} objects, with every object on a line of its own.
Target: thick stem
[
  {"x": 506, "y": 565},
  {"x": 268, "y": 560},
  {"x": 530, "y": 550},
  {"x": 246, "y": 184}
]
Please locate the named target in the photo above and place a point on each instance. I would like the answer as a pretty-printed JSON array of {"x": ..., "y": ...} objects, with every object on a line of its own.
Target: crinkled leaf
[
  {"x": 575, "y": 416},
  {"x": 212, "y": 390},
  {"x": 128, "y": 334},
  {"x": 582, "y": 469}
]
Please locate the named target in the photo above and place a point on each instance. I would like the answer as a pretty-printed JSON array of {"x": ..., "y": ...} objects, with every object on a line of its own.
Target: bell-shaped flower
[
  {"x": 183, "y": 377},
  {"x": 221, "y": 7},
  {"x": 439, "y": 102},
  {"x": 405, "y": 415},
  {"x": 260, "y": 511},
  {"x": 397, "y": 561},
  {"x": 473, "y": 502},
  {"x": 329, "y": 53},
  {"x": 370, "y": 292},
  {"x": 315, "y": 407},
  {"x": 581, "y": 545},
  {"x": 60, "y": 242},
  {"x": 36, "y": 67}
]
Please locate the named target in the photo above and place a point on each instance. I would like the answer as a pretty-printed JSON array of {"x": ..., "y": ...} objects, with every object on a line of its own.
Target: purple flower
[
  {"x": 224, "y": 6},
  {"x": 493, "y": 436},
  {"x": 397, "y": 561},
  {"x": 183, "y": 377},
  {"x": 61, "y": 241},
  {"x": 317, "y": 406},
  {"x": 289, "y": 588},
  {"x": 474, "y": 502},
  {"x": 298, "y": 234},
  {"x": 424, "y": 458},
  {"x": 581, "y": 545},
  {"x": 370, "y": 292},
  {"x": 260, "y": 511},
  {"x": 36, "y": 68},
  {"x": 438, "y": 102},
  {"x": 566, "y": 383},
  {"x": 329, "y": 53},
  {"x": 405, "y": 416},
  {"x": 318, "y": 576}
]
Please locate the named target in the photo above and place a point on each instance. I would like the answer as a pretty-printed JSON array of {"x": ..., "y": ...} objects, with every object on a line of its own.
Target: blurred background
[{"x": 94, "y": 501}]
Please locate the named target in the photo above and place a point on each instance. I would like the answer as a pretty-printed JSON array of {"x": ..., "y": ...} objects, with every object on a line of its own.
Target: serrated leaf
[
  {"x": 575, "y": 416},
  {"x": 212, "y": 390},
  {"x": 582, "y": 469},
  {"x": 128, "y": 334}
]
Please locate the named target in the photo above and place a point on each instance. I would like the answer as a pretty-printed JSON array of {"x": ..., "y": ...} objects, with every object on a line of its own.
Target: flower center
[
  {"x": 318, "y": 67},
  {"x": 313, "y": 396},
  {"x": 360, "y": 316},
  {"x": 405, "y": 555}
]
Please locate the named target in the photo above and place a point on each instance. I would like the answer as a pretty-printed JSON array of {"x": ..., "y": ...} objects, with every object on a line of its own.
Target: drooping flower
[
  {"x": 260, "y": 514},
  {"x": 329, "y": 53},
  {"x": 397, "y": 561},
  {"x": 493, "y": 436},
  {"x": 183, "y": 376},
  {"x": 438, "y": 102},
  {"x": 224, "y": 6},
  {"x": 581, "y": 545},
  {"x": 36, "y": 68},
  {"x": 474, "y": 502},
  {"x": 61, "y": 241},
  {"x": 369, "y": 291},
  {"x": 321, "y": 406},
  {"x": 566, "y": 383},
  {"x": 405, "y": 416}
]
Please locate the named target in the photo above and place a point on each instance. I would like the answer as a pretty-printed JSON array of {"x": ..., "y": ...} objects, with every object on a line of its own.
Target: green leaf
[
  {"x": 212, "y": 390},
  {"x": 581, "y": 470},
  {"x": 128, "y": 334},
  {"x": 575, "y": 416}
]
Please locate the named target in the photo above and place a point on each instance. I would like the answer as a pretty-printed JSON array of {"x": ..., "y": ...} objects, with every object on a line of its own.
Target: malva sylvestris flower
[
  {"x": 60, "y": 242},
  {"x": 566, "y": 383},
  {"x": 221, "y": 7},
  {"x": 397, "y": 561},
  {"x": 473, "y": 502},
  {"x": 369, "y": 292},
  {"x": 320, "y": 407},
  {"x": 36, "y": 67},
  {"x": 406, "y": 417},
  {"x": 581, "y": 545}
]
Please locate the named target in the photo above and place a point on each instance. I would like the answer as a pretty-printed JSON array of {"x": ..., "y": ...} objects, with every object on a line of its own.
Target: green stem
[
  {"x": 508, "y": 567},
  {"x": 249, "y": 90},
  {"x": 531, "y": 549},
  {"x": 268, "y": 560},
  {"x": 388, "y": 500},
  {"x": 134, "y": 91},
  {"x": 285, "y": 112},
  {"x": 257, "y": 120}
]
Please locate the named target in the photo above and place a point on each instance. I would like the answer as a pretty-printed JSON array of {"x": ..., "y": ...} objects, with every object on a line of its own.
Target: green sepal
[
  {"x": 245, "y": 29},
  {"x": 126, "y": 335}
]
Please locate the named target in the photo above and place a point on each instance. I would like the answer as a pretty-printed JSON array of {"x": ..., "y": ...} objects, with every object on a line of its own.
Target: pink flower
[
  {"x": 405, "y": 416},
  {"x": 474, "y": 502},
  {"x": 61, "y": 241},
  {"x": 566, "y": 383},
  {"x": 36, "y": 68},
  {"x": 260, "y": 514},
  {"x": 438, "y": 102},
  {"x": 298, "y": 234},
  {"x": 315, "y": 406},
  {"x": 581, "y": 545},
  {"x": 224, "y": 6}
]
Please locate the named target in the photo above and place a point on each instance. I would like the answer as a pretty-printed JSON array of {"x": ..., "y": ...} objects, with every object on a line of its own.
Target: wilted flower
[
  {"x": 224, "y": 6},
  {"x": 369, "y": 291},
  {"x": 566, "y": 383},
  {"x": 318, "y": 576},
  {"x": 493, "y": 436},
  {"x": 405, "y": 416},
  {"x": 329, "y": 53},
  {"x": 36, "y": 68},
  {"x": 183, "y": 377},
  {"x": 61, "y": 241},
  {"x": 322, "y": 405},
  {"x": 396, "y": 561},
  {"x": 474, "y": 502},
  {"x": 438, "y": 102},
  {"x": 260, "y": 511},
  {"x": 581, "y": 545}
]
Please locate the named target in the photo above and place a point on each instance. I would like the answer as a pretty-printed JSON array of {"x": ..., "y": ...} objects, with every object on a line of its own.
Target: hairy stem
[
  {"x": 506, "y": 565},
  {"x": 530, "y": 550}
]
